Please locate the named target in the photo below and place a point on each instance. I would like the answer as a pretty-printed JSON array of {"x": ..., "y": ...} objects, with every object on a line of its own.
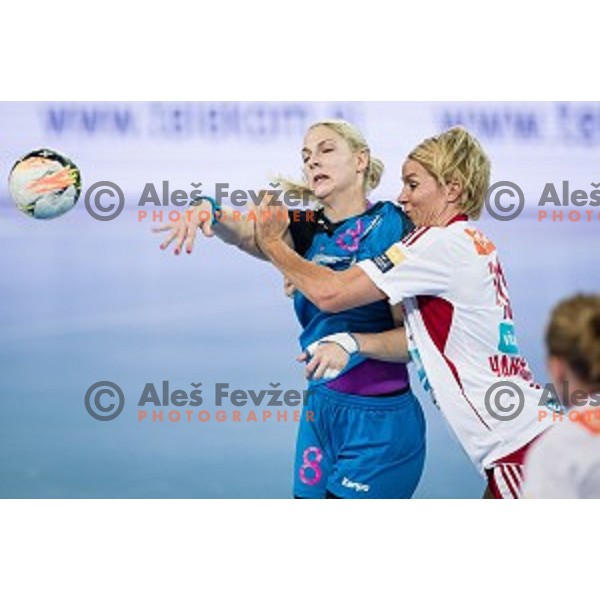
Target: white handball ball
[{"x": 45, "y": 184}]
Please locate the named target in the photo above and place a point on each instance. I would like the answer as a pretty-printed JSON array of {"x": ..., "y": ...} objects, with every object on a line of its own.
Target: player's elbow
[{"x": 330, "y": 299}]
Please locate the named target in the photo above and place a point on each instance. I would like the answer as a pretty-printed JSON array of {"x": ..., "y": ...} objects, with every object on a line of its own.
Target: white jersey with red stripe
[
  {"x": 461, "y": 334},
  {"x": 565, "y": 462}
]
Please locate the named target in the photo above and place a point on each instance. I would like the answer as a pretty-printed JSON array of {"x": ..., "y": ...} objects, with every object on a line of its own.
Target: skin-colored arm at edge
[
  {"x": 240, "y": 233},
  {"x": 331, "y": 291},
  {"x": 391, "y": 345}
]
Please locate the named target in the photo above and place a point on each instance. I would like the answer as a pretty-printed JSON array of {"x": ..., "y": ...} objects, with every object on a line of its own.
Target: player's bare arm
[
  {"x": 330, "y": 291},
  {"x": 390, "y": 345},
  {"x": 234, "y": 228}
]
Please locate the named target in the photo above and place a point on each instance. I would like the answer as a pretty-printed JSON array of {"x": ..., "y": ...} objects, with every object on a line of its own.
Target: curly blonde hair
[{"x": 456, "y": 155}]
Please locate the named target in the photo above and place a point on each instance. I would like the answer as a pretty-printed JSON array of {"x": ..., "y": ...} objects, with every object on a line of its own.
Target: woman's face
[
  {"x": 423, "y": 199},
  {"x": 330, "y": 165}
]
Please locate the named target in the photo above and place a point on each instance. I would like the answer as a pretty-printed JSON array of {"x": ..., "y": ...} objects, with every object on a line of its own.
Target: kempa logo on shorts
[{"x": 353, "y": 485}]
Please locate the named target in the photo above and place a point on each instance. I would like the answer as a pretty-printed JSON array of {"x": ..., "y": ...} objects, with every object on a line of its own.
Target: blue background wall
[{"x": 83, "y": 300}]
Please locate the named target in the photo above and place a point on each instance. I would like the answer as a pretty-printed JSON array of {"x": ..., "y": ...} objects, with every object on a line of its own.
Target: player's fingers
[
  {"x": 162, "y": 228},
  {"x": 169, "y": 239},
  {"x": 338, "y": 365},
  {"x": 180, "y": 239},
  {"x": 320, "y": 370},
  {"x": 313, "y": 363},
  {"x": 288, "y": 287},
  {"x": 203, "y": 220},
  {"x": 302, "y": 357},
  {"x": 207, "y": 229},
  {"x": 191, "y": 237},
  {"x": 265, "y": 198}
]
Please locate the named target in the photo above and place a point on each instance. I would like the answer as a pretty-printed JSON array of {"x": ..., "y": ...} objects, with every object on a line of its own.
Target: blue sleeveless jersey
[{"x": 357, "y": 238}]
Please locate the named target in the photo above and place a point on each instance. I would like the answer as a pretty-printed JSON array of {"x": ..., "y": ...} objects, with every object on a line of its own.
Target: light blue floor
[{"x": 83, "y": 301}]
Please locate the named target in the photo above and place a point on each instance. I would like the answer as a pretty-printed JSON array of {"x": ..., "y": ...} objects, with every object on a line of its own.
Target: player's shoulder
[
  {"x": 390, "y": 215},
  {"x": 553, "y": 441},
  {"x": 303, "y": 226},
  {"x": 460, "y": 237},
  {"x": 382, "y": 225},
  {"x": 564, "y": 462},
  {"x": 426, "y": 238},
  {"x": 474, "y": 238}
]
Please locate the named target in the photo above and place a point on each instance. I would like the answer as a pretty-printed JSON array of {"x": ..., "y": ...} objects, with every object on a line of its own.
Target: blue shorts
[{"x": 358, "y": 446}]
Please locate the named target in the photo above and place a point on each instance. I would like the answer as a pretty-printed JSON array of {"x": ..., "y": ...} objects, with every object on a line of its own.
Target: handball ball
[{"x": 44, "y": 184}]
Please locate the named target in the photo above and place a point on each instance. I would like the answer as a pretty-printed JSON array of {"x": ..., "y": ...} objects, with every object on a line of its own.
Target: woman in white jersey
[
  {"x": 448, "y": 277},
  {"x": 565, "y": 462}
]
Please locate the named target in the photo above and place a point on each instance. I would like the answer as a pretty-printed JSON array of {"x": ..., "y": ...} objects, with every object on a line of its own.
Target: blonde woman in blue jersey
[{"x": 367, "y": 439}]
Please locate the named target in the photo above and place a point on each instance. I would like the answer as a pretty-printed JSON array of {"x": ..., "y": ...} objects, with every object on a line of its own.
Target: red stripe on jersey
[
  {"x": 513, "y": 482},
  {"x": 415, "y": 235},
  {"x": 457, "y": 218},
  {"x": 514, "y": 461},
  {"x": 518, "y": 473},
  {"x": 437, "y": 314},
  {"x": 500, "y": 484},
  {"x": 412, "y": 236},
  {"x": 505, "y": 478},
  {"x": 500, "y": 472}
]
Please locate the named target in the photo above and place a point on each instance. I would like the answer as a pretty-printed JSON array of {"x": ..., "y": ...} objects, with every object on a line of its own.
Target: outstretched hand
[{"x": 183, "y": 232}]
